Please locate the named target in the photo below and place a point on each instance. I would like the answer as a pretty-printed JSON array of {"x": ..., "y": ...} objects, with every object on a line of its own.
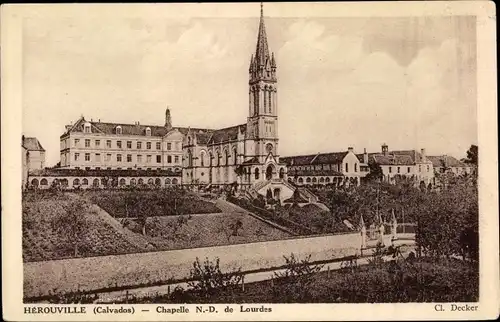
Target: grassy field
[
  {"x": 42, "y": 242},
  {"x": 131, "y": 203},
  {"x": 104, "y": 235},
  {"x": 175, "y": 232}
]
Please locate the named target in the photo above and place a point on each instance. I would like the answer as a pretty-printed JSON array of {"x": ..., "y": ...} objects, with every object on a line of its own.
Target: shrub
[{"x": 209, "y": 280}]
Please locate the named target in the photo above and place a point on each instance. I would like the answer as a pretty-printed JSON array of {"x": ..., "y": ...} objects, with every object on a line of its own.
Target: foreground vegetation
[{"x": 401, "y": 279}]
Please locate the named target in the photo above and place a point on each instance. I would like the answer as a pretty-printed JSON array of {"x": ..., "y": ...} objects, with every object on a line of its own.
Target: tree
[
  {"x": 230, "y": 227},
  {"x": 208, "y": 279},
  {"x": 295, "y": 282},
  {"x": 472, "y": 155},
  {"x": 375, "y": 173},
  {"x": 73, "y": 223}
]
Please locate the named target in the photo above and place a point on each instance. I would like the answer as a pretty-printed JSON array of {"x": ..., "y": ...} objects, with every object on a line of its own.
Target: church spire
[{"x": 262, "y": 50}]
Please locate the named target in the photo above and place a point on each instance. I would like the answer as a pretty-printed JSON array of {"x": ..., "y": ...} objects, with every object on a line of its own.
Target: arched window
[
  {"x": 158, "y": 182},
  {"x": 265, "y": 98},
  {"x": 150, "y": 181},
  {"x": 235, "y": 157},
  {"x": 301, "y": 180},
  {"x": 308, "y": 180},
  {"x": 76, "y": 182},
  {"x": 282, "y": 173},
  {"x": 190, "y": 158},
  {"x": 189, "y": 140},
  {"x": 257, "y": 174},
  {"x": 211, "y": 158},
  {"x": 148, "y": 131},
  {"x": 122, "y": 182},
  {"x": 132, "y": 182},
  {"x": 104, "y": 181},
  {"x": 202, "y": 159},
  {"x": 321, "y": 180},
  {"x": 95, "y": 183},
  {"x": 140, "y": 181},
  {"x": 85, "y": 182},
  {"x": 118, "y": 130},
  {"x": 270, "y": 100},
  {"x": 43, "y": 182},
  {"x": 226, "y": 157},
  {"x": 256, "y": 102},
  {"x": 218, "y": 158},
  {"x": 34, "y": 182},
  {"x": 175, "y": 181},
  {"x": 64, "y": 182},
  {"x": 327, "y": 180},
  {"x": 167, "y": 181},
  {"x": 314, "y": 180}
]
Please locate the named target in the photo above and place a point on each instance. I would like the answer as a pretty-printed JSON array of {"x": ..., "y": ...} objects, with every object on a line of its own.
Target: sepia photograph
[{"x": 173, "y": 156}]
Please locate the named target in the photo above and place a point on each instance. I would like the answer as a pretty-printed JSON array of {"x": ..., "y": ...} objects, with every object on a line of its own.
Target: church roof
[
  {"x": 227, "y": 134},
  {"x": 32, "y": 144}
]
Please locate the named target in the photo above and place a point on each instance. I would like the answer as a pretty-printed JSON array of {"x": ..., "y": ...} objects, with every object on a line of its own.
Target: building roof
[
  {"x": 315, "y": 159},
  {"x": 103, "y": 173},
  {"x": 314, "y": 173},
  {"x": 329, "y": 158},
  {"x": 392, "y": 159},
  {"x": 446, "y": 160},
  {"x": 32, "y": 144},
  {"x": 203, "y": 136}
]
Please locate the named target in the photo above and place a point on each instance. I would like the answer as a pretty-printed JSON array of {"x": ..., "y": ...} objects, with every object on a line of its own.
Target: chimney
[
  {"x": 168, "y": 120},
  {"x": 365, "y": 157},
  {"x": 350, "y": 149},
  {"x": 422, "y": 152},
  {"x": 385, "y": 149}
]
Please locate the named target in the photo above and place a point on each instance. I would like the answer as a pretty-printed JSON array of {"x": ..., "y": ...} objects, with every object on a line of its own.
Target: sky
[{"x": 409, "y": 82}]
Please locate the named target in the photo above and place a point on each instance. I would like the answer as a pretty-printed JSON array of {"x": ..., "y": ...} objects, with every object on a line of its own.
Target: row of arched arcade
[
  {"x": 335, "y": 180},
  {"x": 100, "y": 182}
]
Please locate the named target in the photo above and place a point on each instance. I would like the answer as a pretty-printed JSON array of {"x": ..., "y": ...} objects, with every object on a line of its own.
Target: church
[{"x": 245, "y": 155}]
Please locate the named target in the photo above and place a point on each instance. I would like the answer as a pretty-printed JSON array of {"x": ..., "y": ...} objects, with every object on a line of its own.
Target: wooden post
[
  {"x": 126, "y": 297},
  {"x": 328, "y": 272},
  {"x": 243, "y": 283},
  {"x": 168, "y": 289}
]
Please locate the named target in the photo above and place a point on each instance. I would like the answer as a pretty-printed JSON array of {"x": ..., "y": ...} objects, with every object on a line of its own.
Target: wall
[{"x": 106, "y": 271}]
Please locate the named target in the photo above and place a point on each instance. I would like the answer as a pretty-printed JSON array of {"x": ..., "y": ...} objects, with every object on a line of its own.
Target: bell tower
[{"x": 262, "y": 124}]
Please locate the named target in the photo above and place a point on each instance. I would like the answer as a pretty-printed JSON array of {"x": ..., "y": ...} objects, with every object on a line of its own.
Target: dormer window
[
  {"x": 148, "y": 131},
  {"x": 189, "y": 140},
  {"x": 87, "y": 128},
  {"x": 118, "y": 130}
]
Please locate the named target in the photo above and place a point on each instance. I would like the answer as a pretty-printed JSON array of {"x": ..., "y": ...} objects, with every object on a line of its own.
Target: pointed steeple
[{"x": 262, "y": 50}]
